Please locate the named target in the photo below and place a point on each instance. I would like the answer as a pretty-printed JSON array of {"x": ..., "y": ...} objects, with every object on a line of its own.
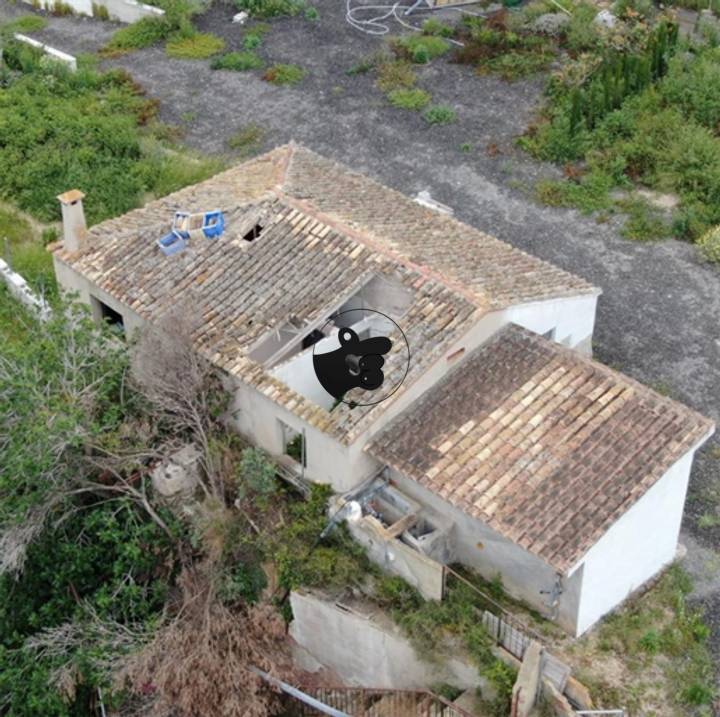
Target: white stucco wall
[
  {"x": 475, "y": 544},
  {"x": 368, "y": 652},
  {"x": 72, "y": 282},
  {"x": 641, "y": 543},
  {"x": 122, "y": 10}
]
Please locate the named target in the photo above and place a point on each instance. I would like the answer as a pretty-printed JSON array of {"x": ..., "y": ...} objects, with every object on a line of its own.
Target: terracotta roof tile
[
  {"x": 322, "y": 221},
  {"x": 562, "y": 445}
]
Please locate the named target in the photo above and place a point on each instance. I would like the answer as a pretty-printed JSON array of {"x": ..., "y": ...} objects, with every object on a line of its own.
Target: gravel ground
[{"x": 659, "y": 317}]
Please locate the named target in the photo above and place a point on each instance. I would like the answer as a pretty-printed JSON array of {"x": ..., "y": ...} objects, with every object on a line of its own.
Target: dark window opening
[
  {"x": 294, "y": 444},
  {"x": 114, "y": 319},
  {"x": 254, "y": 233},
  {"x": 312, "y": 338}
]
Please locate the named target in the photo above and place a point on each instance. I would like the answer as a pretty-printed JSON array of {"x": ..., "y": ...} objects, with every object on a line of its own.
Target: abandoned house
[{"x": 505, "y": 447}]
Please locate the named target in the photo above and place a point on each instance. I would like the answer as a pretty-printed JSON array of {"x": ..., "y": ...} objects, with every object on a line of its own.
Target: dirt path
[{"x": 659, "y": 316}]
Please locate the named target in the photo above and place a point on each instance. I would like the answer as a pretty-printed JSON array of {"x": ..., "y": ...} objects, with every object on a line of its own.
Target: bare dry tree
[
  {"x": 199, "y": 663},
  {"x": 180, "y": 383}
]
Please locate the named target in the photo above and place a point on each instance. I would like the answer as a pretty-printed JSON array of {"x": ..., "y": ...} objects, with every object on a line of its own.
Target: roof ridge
[
  {"x": 447, "y": 219},
  {"x": 366, "y": 239}
]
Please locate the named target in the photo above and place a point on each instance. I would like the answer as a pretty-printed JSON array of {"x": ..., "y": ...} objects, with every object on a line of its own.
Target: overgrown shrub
[
  {"x": 491, "y": 46},
  {"x": 90, "y": 123},
  {"x": 197, "y": 46},
  {"x": 284, "y": 74},
  {"x": 409, "y": 99},
  {"x": 238, "y": 61}
]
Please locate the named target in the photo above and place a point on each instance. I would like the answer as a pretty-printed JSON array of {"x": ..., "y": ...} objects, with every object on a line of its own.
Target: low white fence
[
  {"x": 120, "y": 10},
  {"x": 21, "y": 290},
  {"x": 58, "y": 55}
]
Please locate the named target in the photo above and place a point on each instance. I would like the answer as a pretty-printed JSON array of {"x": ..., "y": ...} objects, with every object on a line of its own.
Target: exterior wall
[
  {"x": 636, "y": 547},
  {"x": 366, "y": 652},
  {"x": 391, "y": 554},
  {"x": 475, "y": 544},
  {"x": 121, "y": 10},
  {"x": 72, "y": 282},
  {"x": 328, "y": 460}
]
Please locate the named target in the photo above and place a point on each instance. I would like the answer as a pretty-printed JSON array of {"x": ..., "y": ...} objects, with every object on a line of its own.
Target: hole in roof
[{"x": 254, "y": 233}]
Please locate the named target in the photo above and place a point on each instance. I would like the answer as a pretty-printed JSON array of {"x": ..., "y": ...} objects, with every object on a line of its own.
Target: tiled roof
[
  {"x": 546, "y": 446},
  {"x": 325, "y": 230}
]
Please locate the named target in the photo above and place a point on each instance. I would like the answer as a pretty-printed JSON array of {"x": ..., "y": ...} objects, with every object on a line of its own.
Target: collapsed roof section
[{"x": 302, "y": 237}]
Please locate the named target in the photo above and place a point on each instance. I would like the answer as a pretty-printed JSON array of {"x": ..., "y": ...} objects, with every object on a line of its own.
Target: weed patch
[
  {"x": 237, "y": 61},
  {"x": 96, "y": 120},
  {"x": 709, "y": 245},
  {"x": 421, "y": 49},
  {"x": 143, "y": 33},
  {"x": 270, "y": 8},
  {"x": 26, "y": 23},
  {"x": 395, "y": 75},
  {"x": 491, "y": 46},
  {"x": 284, "y": 74},
  {"x": 409, "y": 99},
  {"x": 644, "y": 222},
  {"x": 197, "y": 46},
  {"x": 246, "y": 141},
  {"x": 439, "y": 114}
]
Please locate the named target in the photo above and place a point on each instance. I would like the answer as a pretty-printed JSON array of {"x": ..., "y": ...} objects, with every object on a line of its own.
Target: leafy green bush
[
  {"x": 252, "y": 40},
  {"x": 409, "y": 99},
  {"x": 423, "y": 48},
  {"x": 270, "y": 8},
  {"x": 691, "y": 86},
  {"x": 197, "y": 46},
  {"x": 238, "y": 61},
  {"x": 312, "y": 14},
  {"x": 709, "y": 245},
  {"x": 284, "y": 74},
  {"x": 439, "y": 114},
  {"x": 582, "y": 33},
  {"x": 143, "y": 33},
  {"x": 91, "y": 125}
]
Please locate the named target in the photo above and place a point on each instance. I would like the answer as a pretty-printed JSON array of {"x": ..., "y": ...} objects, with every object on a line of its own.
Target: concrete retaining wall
[
  {"x": 58, "y": 55},
  {"x": 368, "y": 651},
  {"x": 20, "y": 289},
  {"x": 120, "y": 10}
]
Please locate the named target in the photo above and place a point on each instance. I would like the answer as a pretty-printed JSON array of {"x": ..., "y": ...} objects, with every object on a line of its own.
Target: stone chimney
[{"x": 73, "y": 218}]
